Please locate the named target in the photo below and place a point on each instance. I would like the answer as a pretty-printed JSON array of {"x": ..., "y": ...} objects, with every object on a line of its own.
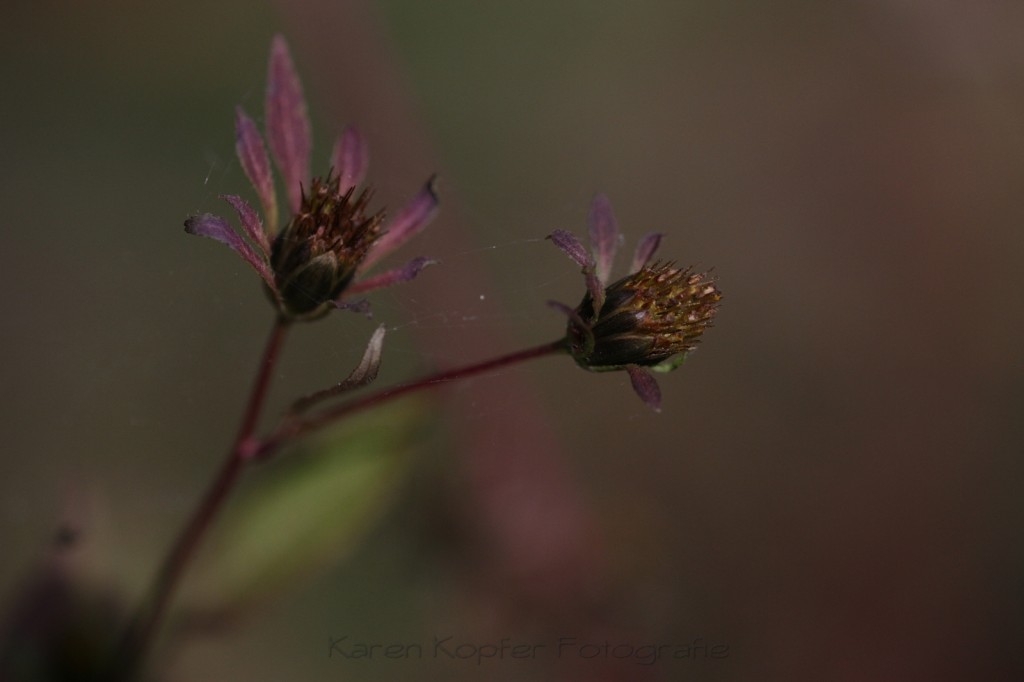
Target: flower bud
[
  {"x": 650, "y": 318},
  {"x": 316, "y": 256}
]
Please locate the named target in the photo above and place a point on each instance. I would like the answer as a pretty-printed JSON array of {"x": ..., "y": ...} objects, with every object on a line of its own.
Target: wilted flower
[
  {"x": 649, "y": 319},
  {"x": 330, "y": 241}
]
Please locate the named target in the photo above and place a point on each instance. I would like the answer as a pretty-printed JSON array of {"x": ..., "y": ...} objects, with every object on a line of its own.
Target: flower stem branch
[
  {"x": 150, "y": 615},
  {"x": 293, "y": 429},
  {"x": 246, "y": 448}
]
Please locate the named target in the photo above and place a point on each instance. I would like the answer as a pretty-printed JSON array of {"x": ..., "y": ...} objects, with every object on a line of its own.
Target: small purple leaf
[
  {"x": 410, "y": 221},
  {"x": 250, "y": 221},
  {"x": 572, "y": 247},
  {"x": 604, "y": 236},
  {"x": 364, "y": 373},
  {"x": 287, "y": 121},
  {"x": 253, "y": 157},
  {"x": 646, "y": 386},
  {"x": 386, "y": 279},
  {"x": 645, "y": 251},
  {"x": 215, "y": 227},
  {"x": 350, "y": 159},
  {"x": 362, "y": 306}
]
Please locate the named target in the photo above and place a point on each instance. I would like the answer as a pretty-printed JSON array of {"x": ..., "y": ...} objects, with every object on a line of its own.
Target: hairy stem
[
  {"x": 296, "y": 428},
  {"x": 150, "y": 615}
]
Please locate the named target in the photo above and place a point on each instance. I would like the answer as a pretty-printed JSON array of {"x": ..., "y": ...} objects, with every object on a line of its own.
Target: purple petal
[
  {"x": 253, "y": 157},
  {"x": 215, "y": 227},
  {"x": 386, "y": 279},
  {"x": 350, "y": 159},
  {"x": 604, "y": 236},
  {"x": 572, "y": 247},
  {"x": 250, "y": 221},
  {"x": 596, "y": 289},
  {"x": 410, "y": 222},
  {"x": 287, "y": 121},
  {"x": 646, "y": 386},
  {"x": 364, "y": 374},
  {"x": 645, "y": 251},
  {"x": 578, "y": 322},
  {"x": 568, "y": 312}
]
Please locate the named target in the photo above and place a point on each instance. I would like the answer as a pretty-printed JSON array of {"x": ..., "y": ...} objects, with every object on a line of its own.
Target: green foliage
[{"x": 304, "y": 511}]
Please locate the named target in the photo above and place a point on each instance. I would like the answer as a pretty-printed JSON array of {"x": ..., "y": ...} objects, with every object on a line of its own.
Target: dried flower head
[
  {"x": 649, "y": 319},
  {"x": 316, "y": 255},
  {"x": 318, "y": 259}
]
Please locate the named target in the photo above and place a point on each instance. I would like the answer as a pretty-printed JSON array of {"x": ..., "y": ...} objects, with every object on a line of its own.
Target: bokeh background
[{"x": 833, "y": 488}]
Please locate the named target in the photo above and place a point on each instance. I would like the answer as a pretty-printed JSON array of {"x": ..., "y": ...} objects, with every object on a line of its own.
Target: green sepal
[{"x": 671, "y": 364}]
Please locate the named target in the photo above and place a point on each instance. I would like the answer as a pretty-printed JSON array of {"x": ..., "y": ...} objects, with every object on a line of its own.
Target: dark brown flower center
[
  {"x": 318, "y": 253},
  {"x": 648, "y": 317}
]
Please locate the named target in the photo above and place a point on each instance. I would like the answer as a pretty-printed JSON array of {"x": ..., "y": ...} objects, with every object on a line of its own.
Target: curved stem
[
  {"x": 150, "y": 615},
  {"x": 259, "y": 390},
  {"x": 147, "y": 620},
  {"x": 293, "y": 429}
]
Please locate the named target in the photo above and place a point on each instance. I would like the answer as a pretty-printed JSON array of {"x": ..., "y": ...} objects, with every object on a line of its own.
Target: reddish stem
[
  {"x": 293, "y": 429},
  {"x": 150, "y": 615}
]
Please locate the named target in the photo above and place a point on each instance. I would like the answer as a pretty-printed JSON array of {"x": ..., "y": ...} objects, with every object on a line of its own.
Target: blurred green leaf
[{"x": 303, "y": 511}]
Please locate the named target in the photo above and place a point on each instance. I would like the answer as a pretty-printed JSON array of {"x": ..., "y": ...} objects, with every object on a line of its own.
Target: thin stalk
[
  {"x": 246, "y": 447},
  {"x": 150, "y": 615},
  {"x": 295, "y": 428}
]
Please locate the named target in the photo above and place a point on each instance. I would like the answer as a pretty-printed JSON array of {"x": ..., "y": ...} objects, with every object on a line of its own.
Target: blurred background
[{"x": 833, "y": 488}]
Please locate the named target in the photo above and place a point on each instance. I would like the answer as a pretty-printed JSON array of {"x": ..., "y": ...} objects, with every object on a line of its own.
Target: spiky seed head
[
  {"x": 318, "y": 253},
  {"x": 648, "y": 318}
]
